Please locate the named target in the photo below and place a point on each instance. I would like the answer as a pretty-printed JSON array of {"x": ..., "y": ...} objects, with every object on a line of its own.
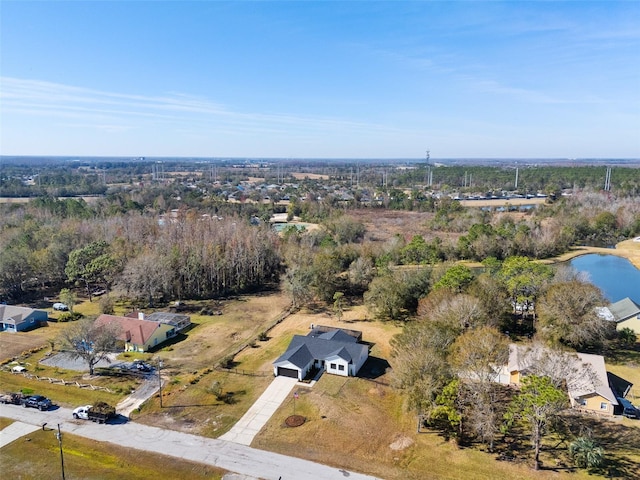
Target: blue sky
[{"x": 357, "y": 79}]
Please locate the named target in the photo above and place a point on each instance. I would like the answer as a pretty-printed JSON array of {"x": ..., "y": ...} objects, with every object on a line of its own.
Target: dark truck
[
  {"x": 100, "y": 412},
  {"x": 37, "y": 401}
]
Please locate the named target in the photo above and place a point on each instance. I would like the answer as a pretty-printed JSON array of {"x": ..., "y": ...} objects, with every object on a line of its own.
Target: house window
[
  {"x": 603, "y": 405},
  {"x": 332, "y": 366},
  {"x": 341, "y": 368},
  {"x": 582, "y": 401}
]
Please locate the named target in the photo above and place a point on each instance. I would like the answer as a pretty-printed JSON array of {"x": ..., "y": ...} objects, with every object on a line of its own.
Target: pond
[{"x": 617, "y": 277}]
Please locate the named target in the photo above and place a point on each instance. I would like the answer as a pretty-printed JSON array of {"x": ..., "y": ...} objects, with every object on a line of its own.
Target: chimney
[{"x": 140, "y": 315}]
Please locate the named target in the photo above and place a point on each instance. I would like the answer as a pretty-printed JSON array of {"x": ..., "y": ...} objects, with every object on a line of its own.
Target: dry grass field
[
  {"x": 515, "y": 202},
  {"x": 310, "y": 176},
  {"x": 37, "y": 456}
]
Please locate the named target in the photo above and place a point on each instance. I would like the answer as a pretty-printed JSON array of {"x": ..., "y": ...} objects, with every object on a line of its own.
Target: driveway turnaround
[
  {"x": 229, "y": 456},
  {"x": 14, "y": 431},
  {"x": 260, "y": 412}
]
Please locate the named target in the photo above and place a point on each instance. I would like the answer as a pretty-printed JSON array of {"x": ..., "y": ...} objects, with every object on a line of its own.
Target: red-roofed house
[{"x": 138, "y": 335}]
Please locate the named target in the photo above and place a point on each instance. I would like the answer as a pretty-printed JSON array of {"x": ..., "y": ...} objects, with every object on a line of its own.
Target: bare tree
[
  {"x": 476, "y": 357},
  {"x": 461, "y": 310},
  {"x": 568, "y": 314},
  {"x": 90, "y": 342},
  {"x": 564, "y": 369}
]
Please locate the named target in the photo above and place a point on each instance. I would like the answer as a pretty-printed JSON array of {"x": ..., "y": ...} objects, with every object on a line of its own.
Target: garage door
[{"x": 288, "y": 372}]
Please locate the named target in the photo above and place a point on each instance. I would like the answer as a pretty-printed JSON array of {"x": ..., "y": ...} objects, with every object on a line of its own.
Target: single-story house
[
  {"x": 589, "y": 386},
  {"x": 333, "y": 350},
  {"x": 595, "y": 395},
  {"x": 138, "y": 335},
  {"x": 19, "y": 319},
  {"x": 626, "y": 314},
  {"x": 176, "y": 320}
]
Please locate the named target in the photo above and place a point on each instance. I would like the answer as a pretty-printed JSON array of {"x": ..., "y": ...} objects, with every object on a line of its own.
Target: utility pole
[
  {"x": 160, "y": 380},
  {"x": 59, "y": 437},
  {"x": 429, "y": 181},
  {"x": 607, "y": 180}
]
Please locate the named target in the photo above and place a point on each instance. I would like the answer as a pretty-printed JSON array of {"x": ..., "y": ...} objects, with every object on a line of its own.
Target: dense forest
[{"x": 180, "y": 232}]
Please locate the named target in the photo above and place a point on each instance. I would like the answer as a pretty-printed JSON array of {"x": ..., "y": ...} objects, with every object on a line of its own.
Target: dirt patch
[
  {"x": 294, "y": 421},
  {"x": 501, "y": 202},
  {"x": 215, "y": 336},
  {"x": 401, "y": 443},
  {"x": 310, "y": 176},
  {"x": 14, "y": 344}
]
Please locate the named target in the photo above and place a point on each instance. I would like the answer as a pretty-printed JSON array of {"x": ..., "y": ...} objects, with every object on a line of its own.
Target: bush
[
  {"x": 586, "y": 453},
  {"x": 627, "y": 337},
  {"x": 107, "y": 305},
  {"x": 69, "y": 316},
  {"x": 227, "y": 362}
]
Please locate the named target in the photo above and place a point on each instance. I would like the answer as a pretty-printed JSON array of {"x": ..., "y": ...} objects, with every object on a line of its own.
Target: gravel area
[{"x": 68, "y": 362}]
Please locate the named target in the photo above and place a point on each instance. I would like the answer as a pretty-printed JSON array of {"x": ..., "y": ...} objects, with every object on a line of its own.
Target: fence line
[
  {"x": 240, "y": 371},
  {"x": 60, "y": 381}
]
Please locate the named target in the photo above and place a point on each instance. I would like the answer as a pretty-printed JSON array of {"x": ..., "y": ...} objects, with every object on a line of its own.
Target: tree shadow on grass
[{"x": 618, "y": 441}]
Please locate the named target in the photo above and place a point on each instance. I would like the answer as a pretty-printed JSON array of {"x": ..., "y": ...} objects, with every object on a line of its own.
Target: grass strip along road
[{"x": 218, "y": 453}]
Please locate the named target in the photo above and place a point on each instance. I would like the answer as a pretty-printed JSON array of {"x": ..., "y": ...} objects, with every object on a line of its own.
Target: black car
[
  {"x": 37, "y": 401},
  {"x": 143, "y": 367}
]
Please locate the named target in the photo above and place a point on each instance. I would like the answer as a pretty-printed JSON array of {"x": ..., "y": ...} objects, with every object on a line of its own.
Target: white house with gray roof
[{"x": 335, "y": 351}]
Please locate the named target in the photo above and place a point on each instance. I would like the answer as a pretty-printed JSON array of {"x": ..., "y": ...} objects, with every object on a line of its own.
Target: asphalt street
[{"x": 226, "y": 455}]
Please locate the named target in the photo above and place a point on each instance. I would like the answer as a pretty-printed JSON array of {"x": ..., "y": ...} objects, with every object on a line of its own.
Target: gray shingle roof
[
  {"x": 624, "y": 309},
  {"x": 304, "y": 349}
]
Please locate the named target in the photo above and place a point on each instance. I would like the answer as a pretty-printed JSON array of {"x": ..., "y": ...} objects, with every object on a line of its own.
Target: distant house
[
  {"x": 626, "y": 314},
  {"x": 138, "y": 335},
  {"x": 177, "y": 320},
  {"x": 20, "y": 319},
  {"x": 333, "y": 350},
  {"x": 589, "y": 386}
]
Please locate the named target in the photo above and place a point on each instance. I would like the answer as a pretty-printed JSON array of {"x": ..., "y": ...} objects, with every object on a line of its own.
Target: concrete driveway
[
  {"x": 260, "y": 412},
  {"x": 15, "y": 431}
]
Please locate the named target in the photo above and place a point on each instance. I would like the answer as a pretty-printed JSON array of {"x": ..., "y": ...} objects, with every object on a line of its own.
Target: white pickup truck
[{"x": 101, "y": 412}]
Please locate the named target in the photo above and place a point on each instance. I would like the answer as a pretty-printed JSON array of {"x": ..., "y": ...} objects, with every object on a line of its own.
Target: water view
[{"x": 617, "y": 277}]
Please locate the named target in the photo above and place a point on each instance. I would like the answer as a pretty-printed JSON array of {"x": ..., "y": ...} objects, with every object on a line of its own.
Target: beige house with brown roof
[
  {"x": 584, "y": 375},
  {"x": 138, "y": 335}
]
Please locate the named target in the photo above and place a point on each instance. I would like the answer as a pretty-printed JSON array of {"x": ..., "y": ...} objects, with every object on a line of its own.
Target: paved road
[
  {"x": 226, "y": 455},
  {"x": 261, "y": 411}
]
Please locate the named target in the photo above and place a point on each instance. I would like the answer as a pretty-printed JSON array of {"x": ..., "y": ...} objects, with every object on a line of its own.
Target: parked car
[
  {"x": 628, "y": 409},
  {"x": 37, "y": 401},
  {"x": 142, "y": 367},
  {"x": 100, "y": 412},
  {"x": 60, "y": 307}
]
